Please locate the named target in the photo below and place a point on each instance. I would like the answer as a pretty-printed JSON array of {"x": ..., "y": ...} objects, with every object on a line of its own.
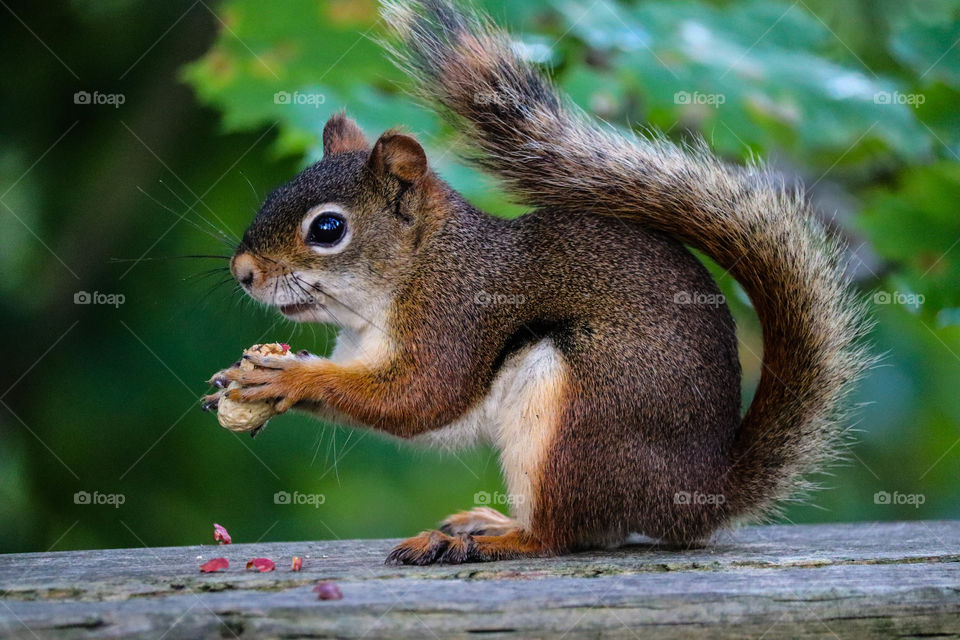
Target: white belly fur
[{"x": 519, "y": 416}]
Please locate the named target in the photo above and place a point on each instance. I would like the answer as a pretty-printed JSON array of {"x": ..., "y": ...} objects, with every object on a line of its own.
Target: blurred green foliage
[{"x": 856, "y": 99}]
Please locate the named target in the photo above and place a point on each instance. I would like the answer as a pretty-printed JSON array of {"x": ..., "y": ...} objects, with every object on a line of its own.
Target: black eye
[{"x": 327, "y": 229}]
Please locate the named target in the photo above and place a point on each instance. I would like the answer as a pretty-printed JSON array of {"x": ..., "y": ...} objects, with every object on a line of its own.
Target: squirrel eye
[{"x": 326, "y": 230}]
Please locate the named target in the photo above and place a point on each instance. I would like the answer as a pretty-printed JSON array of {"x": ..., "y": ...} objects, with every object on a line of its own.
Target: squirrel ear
[
  {"x": 342, "y": 134},
  {"x": 399, "y": 155}
]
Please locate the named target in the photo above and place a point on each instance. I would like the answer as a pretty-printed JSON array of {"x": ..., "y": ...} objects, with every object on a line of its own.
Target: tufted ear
[
  {"x": 341, "y": 134},
  {"x": 398, "y": 155}
]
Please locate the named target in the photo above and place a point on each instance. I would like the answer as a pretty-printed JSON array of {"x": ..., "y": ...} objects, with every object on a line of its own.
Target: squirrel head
[{"x": 335, "y": 243}]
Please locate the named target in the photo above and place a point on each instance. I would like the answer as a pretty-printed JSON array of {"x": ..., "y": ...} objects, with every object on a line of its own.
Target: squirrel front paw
[
  {"x": 221, "y": 382},
  {"x": 286, "y": 380},
  {"x": 257, "y": 387},
  {"x": 212, "y": 401}
]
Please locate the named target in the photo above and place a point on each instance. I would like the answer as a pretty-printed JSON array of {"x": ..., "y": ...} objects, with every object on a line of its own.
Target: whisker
[
  {"x": 291, "y": 277},
  {"x": 213, "y": 289},
  {"x": 229, "y": 236},
  {"x": 164, "y": 258},
  {"x": 319, "y": 289},
  {"x": 293, "y": 331},
  {"x": 336, "y": 460},
  {"x": 224, "y": 231},
  {"x": 276, "y": 285},
  {"x": 184, "y": 218},
  {"x": 299, "y": 282},
  {"x": 296, "y": 281},
  {"x": 317, "y": 444},
  {"x": 256, "y": 196},
  {"x": 206, "y": 273}
]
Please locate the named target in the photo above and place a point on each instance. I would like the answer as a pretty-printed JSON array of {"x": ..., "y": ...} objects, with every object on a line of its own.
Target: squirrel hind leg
[
  {"x": 436, "y": 547},
  {"x": 482, "y": 521}
]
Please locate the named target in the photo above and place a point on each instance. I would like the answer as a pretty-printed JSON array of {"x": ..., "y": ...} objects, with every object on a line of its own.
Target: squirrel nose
[{"x": 244, "y": 269}]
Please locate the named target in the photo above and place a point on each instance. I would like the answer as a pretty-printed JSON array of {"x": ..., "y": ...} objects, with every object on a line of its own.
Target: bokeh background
[{"x": 133, "y": 132}]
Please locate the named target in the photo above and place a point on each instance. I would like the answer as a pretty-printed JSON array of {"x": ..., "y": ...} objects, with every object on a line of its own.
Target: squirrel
[{"x": 573, "y": 338}]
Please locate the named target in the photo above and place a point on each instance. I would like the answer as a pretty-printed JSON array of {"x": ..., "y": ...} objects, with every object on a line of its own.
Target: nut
[{"x": 247, "y": 416}]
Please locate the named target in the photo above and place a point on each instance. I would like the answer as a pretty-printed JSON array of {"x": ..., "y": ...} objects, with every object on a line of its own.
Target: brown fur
[
  {"x": 645, "y": 408},
  {"x": 342, "y": 135}
]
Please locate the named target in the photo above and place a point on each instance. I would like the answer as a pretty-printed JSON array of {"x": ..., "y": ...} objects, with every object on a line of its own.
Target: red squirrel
[{"x": 572, "y": 338}]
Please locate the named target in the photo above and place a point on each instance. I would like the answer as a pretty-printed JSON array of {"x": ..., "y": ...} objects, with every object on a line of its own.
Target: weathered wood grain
[{"x": 860, "y": 580}]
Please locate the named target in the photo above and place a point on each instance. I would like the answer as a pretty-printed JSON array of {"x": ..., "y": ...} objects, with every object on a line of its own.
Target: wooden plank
[{"x": 863, "y": 580}]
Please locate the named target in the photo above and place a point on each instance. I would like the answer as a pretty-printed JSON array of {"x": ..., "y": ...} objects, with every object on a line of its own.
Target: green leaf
[
  {"x": 926, "y": 38},
  {"x": 751, "y": 72},
  {"x": 295, "y": 63},
  {"x": 916, "y": 227}
]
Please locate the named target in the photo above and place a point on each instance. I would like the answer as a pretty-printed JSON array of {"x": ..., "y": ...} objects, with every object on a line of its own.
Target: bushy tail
[{"x": 549, "y": 154}]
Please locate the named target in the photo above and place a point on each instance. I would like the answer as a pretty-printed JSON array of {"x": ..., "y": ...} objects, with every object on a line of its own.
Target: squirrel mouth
[{"x": 298, "y": 308}]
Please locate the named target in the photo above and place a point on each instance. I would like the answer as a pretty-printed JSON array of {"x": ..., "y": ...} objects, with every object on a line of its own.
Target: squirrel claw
[
  {"x": 423, "y": 549},
  {"x": 221, "y": 378},
  {"x": 211, "y": 402},
  {"x": 435, "y": 547}
]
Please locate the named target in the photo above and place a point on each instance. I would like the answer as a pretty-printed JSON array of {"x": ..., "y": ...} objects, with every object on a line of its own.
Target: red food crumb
[
  {"x": 261, "y": 564},
  {"x": 216, "y": 564},
  {"x": 297, "y": 563},
  {"x": 220, "y": 535},
  {"x": 285, "y": 347},
  {"x": 328, "y": 591}
]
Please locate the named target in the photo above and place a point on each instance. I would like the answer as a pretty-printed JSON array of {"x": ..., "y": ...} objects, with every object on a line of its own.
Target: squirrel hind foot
[{"x": 436, "y": 547}]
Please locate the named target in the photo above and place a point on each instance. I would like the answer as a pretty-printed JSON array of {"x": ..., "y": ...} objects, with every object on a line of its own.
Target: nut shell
[{"x": 247, "y": 416}]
